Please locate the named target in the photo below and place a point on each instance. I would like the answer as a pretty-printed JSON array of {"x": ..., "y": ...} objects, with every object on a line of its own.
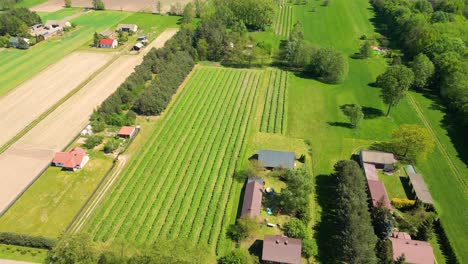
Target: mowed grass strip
[
  {"x": 19, "y": 65},
  {"x": 183, "y": 176},
  {"x": 314, "y": 113},
  {"x": 284, "y": 18},
  {"x": 274, "y": 104}
]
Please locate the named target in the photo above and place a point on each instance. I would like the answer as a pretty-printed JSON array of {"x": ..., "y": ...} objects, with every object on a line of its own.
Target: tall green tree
[
  {"x": 68, "y": 3},
  {"x": 329, "y": 65},
  {"x": 423, "y": 69},
  {"x": 77, "y": 249},
  {"x": 295, "y": 198},
  {"x": 366, "y": 49},
  {"x": 98, "y": 5},
  {"x": 395, "y": 82},
  {"x": 354, "y": 113},
  {"x": 296, "y": 228},
  {"x": 412, "y": 141},
  {"x": 356, "y": 242},
  {"x": 189, "y": 13}
]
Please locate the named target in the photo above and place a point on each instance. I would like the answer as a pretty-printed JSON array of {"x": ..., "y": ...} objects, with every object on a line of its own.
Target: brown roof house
[
  {"x": 415, "y": 251},
  {"x": 381, "y": 160},
  {"x": 127, "y": 132},
  {"x": 281, "y": 249},
  {"x": 72, "y": 160},
  {"x": 252, "y": 198},
  {"x": 378, "y": 192}
]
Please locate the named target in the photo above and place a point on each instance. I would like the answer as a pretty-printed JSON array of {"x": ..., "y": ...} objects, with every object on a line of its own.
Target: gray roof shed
[
  {"x": 420, "y": 187},
  {"x": 276, "y": 159}
]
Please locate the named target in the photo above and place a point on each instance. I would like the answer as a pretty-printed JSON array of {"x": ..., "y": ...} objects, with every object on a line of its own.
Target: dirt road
[
  {"x": 123, "y": 5},
  {"x": 32, "y": 98},
  {"x": 25, "y": 159}
]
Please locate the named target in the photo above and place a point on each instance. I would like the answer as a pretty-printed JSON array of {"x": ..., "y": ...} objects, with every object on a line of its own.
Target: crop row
[
  {"x": 179, "y": 183},
  {"x": 284, "y": 19},
  {"x": 273, "y": 117}
]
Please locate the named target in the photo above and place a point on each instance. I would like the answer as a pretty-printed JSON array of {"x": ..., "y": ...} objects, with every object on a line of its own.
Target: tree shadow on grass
[
  {"x": 325, "y": 231},
  {"x": 256, "y": 249},
  {"x": 406, "y": 186},
  {"x": 340, "y": 124},
  {"x": 371, "y": 112}
]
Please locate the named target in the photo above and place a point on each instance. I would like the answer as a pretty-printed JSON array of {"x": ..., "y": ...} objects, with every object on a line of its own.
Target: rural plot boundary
[
  {"x": 274, "y": 107},
  {"x": 179, "y": 185},
  {"x": 284, "y": 18}
]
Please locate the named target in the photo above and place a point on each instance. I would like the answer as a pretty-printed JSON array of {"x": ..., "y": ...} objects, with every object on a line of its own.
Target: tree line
[
  {"x": 433, "y": 36},
  {"x": 16, "y": 22}
]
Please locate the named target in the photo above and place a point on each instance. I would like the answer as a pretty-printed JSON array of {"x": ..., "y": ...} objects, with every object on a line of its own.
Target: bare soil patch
[
  {"x": 32, "y": 98},
  {"x": 26, "y": 159}
]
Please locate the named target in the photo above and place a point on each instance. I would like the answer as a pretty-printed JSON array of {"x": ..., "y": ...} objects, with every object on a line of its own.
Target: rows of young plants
[
  {"x": 273, "y": 117},
  {"x": 179, "y": 183},
  {"x": 284, "y": 18}
]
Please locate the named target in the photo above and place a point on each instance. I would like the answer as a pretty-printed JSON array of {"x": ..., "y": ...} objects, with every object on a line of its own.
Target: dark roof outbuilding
[
  {"x": 277, "y": 159},
  {"x": 252, "y": 198},
  {"x": 281, "y": 249}
]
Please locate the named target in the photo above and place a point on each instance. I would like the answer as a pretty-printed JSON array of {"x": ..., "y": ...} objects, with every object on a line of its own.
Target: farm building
[
  {"x": 252, "y": 198},
  {"x": 108, "y": 43},
  {"x": 277, "y": 159},
  {"x": 107, "y": 34},
  {"x": 127, "y": 132},
  {"x": 419, "y": 187},
  {"x": 72, "y": 160},
  {"x": 281, "y": 249},
  {"x": 381, "y": 160},
  {"x": 143, "y": 39},
  {"x": 127, "y": 27},
  {"x": 45, "y": 31},
  {"x": 138, "y": 46},
  {"x": 415, "y": 251},
  {"x": 15, "y": 42},
  {"x": 378, "y": 192},
  {"x": 57, "y": 23}
]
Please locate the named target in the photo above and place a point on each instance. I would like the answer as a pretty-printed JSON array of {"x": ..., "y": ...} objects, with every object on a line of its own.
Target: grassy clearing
[
  {"x": 284, "y": 18},
  {"x": 314, "y": 113},
  {"x": 50, "y": 204},
  {"x": 20, "y": 65},
  {"x": 60, "y": 14},
  {"x": 30, "y": 3},
  {"x": 274, "y": 104},
  {"x": 149, "y": 24},
  {"x": 179, "y": 183},
  {"x": 22, "y": 253}
]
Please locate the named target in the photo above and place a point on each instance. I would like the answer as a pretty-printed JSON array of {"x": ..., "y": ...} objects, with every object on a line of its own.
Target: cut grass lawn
[
  {"x": 60, "y": 14},
  {"x": 29, "y": 3},
  {"x": 314, "y": 113},
  {"x": 22, "y": 64},
  {"x": 50, "y": 204},
  {"x": 22, "y": 253},
  {"x": 179, "y": 183}
]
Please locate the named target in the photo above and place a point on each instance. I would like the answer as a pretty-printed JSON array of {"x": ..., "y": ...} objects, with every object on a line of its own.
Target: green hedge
[{"x": 27, "y": 241}]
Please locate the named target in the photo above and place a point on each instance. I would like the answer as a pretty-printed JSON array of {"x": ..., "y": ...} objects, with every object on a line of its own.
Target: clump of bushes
[
  {"x": 402, "y": 204},
  {"x": 27, "y": 241},
  {"x": 111, "y": 145},
  {"x": 93, "y": 141}
]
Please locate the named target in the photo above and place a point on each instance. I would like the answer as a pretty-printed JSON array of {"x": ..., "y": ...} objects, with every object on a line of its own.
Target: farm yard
[
  {"x": 184, "y": 160},
  {"x": 273, "y": 118},
  {"x": 284, "y": 18}
]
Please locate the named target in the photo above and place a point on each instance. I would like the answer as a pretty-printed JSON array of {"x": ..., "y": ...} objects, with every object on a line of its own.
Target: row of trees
[
  {"x": 435, "y": 36},
  {"x": 326, "y": 64},
  {"x": 81, "y": 249},
  {"x": 150, "y": 87}
]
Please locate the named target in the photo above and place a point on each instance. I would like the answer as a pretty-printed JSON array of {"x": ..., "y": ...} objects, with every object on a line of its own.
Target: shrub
[
  {"x": 297, "y": 229},
  {"x": 93, "y": 141},
  {"x": 111, "y": 145},
  {"x": 402, "y": 204},
  {"x": 27, "y": 241}
]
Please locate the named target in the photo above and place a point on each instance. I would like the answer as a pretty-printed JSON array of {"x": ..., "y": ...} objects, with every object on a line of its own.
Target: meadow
[
  {"x": 22, "y": 253},
  {"x": 30, "y": 3},
  {"x": 58, "y": 15},
  {"x": 314, "y": 114},
  {"x": 179, "y": 184},
  {"x": 21, "y": 65},
  {"x": 50, "y": 204},
  {"x": 273, "y": 120}
]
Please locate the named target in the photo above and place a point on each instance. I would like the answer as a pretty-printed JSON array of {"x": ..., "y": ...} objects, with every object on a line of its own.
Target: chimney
[
  {"x": 286, "y": 242},
  {"x": 277, "y": 241}
]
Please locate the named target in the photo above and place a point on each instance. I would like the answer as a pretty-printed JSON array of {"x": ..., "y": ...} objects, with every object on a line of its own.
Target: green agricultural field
[
  {"x": 150, "y": 23},
  {"x": 30, "y": 3},
  {"x": 61, "y": 14},
  {"x": 179, "y": 184},
  {"x": 50, "y": 204},
  {"x": 273, "y": 120},
  {"x": 21, "y": 65},
  {"x": 22, "y": 253},
  {"x": 314, "y": 113},
  {"x": 284, "y": 18}
]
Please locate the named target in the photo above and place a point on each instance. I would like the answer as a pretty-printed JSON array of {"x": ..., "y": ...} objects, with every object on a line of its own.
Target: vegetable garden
[
  {"x": 273, "y": 119},
  {"x": 178, "y": 185},
  {"x": 284, "y": 18}
]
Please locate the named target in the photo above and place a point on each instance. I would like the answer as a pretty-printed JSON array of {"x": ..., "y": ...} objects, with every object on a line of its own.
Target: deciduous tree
[
  {"x": 354, "y": 113},
  {"x": 412, "y": 141},
  {"x": 395, "y": 82},
  {"x": 423, "y": 69}
]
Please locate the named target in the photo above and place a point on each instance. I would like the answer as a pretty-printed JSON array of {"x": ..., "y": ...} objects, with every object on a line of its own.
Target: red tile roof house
[
  {"x": 127, "y": 132},
  {"x": 415, "y": 251},
  {"x": 72, "y": 160},
  {"x": 281, "y": 249},
  {"x": 108, "y": 43},
  {"x": 252, "y": 198},
  {"x": 378, "y": 192}
]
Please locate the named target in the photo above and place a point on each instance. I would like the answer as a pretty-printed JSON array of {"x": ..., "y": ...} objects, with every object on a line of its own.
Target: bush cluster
[
  {"x": 400, "y": 203},
  {"x": 27, "y": 241}
]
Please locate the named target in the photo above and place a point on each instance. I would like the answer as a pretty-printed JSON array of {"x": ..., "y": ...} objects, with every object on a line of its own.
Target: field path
[
  {"x": 25, "y": 160},
  {"x": 27, "y": 102}
]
